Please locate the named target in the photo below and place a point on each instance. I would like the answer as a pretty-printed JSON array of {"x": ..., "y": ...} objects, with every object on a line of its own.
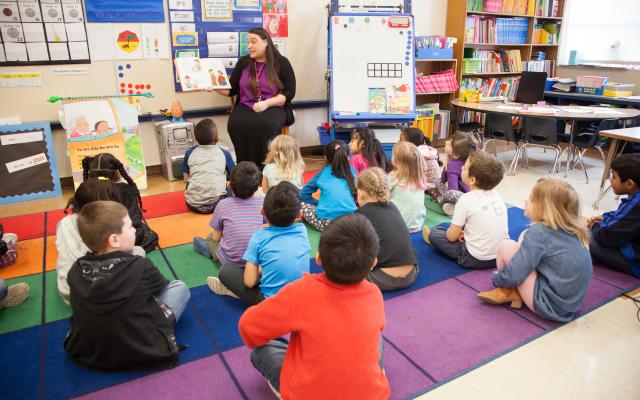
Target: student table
[
  {"x": 616, "y": 135},
  {"x": 562, "y": 113}
]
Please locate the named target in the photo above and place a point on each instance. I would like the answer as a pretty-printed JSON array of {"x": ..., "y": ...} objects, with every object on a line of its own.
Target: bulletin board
[
  {"x": 125, "y": 10},
  {"x": 36, "y": 32},
  {"x": 306, "y": 49},
  {"x": 372, "y": 82},
  {"x": 28, "y": 168},
  {"x": 191, "y": 35}
]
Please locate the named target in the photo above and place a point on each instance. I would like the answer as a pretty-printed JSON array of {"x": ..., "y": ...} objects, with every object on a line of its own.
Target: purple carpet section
[{"x": 205, "y": 378}]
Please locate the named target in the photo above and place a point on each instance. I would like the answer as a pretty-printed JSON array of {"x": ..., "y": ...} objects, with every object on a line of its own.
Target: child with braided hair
[
  {"x": 106, "y": 166},
  {"x": 397, "y": 266}
]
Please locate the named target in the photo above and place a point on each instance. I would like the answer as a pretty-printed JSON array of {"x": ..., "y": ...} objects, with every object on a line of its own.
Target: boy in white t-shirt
[{"x": 479, "y": 220}]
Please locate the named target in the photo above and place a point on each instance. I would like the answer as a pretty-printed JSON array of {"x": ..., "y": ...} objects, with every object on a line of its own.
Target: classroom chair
[
  {"x": 590, "y": 139},
  {"x": 500, "y": 127},
  {"x": 285, "y": 129},
  {"x": 539, "y": 132},
  {"x": 470, "y": 127}
]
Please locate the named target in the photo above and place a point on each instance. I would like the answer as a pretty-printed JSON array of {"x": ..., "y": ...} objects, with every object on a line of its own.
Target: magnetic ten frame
[
  {"x": 38, "y": 181},
  {"x": 355, "y": 42}
]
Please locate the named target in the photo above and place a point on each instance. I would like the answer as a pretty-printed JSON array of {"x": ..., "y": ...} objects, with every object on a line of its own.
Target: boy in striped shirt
[{"x": 235, "y": 219}]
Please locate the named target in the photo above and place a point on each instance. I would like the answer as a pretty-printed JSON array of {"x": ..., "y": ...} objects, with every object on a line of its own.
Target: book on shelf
[
  {"x": 483, "y": 29},
  {"x": 547, "y": 8},
  {"x": 493, "y": 61},
  {"x": 548, "y": 66},
  {"x": 516, "y": 7},
  {"x": 441, "y": 125},
  {"x": 547, "y": 33},
  {"x": 491, "y": 87}
]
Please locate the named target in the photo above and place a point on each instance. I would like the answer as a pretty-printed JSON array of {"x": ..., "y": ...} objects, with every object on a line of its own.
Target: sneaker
[
  {"x": 218, "y": 288},
  {"x": 200, "y": 246},
  {"x": 16, "y": 294},
  {"x": 275, "y": 392},
  {"x": 448, "y": 208},
  {"x": 425, "y": 234}
]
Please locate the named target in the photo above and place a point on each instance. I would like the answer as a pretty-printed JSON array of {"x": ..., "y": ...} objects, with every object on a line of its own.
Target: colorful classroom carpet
[{"x": 436, "y": 330}]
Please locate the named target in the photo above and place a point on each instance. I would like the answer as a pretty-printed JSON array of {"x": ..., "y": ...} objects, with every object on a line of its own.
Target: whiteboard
[
  {"x": 368, "y": 52},
  {"x": 306, "y": 49}
]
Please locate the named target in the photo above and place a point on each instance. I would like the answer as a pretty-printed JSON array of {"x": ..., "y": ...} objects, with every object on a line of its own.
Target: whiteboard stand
[{"x": 370, "y": 53}]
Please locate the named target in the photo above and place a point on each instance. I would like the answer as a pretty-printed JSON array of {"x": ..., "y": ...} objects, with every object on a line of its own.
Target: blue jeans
[
  {"x": 176, "y": 296},
  {"x": 3, "y": 289}
]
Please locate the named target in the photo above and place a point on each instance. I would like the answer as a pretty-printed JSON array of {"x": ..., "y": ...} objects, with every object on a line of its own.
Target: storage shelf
[
  {"x": 435, "y": 59},
  {"x": 490, "y": 73},
  {"x": 433, "y": 93},
  {"x": 497, "y": 44},
  {"x": 499, "y": 14},
  {"x": 550, "y": 18},
  {"x": 544, "y": 45}
]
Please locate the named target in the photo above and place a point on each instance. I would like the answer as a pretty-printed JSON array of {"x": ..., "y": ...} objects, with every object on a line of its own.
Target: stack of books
[
  {"x": 481, "y": 29},
  {"x": 496, "y": 61},
  {"x": 548, "y": 66},
  {"x": 518, "y": 7},
  {"x": 547, "y": 8},
  {"x": 491, "y": 87},
  {"x": 441, "y": 125},
  {"x": 547, "y": 33}
]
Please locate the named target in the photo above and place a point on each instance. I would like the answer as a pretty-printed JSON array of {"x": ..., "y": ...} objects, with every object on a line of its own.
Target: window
[{"x": 601, "y": 31}]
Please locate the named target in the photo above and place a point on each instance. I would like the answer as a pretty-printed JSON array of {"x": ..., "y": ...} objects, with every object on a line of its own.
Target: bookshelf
[
  {"x": 429, "y": 67},
  {"x": 459, "y": 10}
]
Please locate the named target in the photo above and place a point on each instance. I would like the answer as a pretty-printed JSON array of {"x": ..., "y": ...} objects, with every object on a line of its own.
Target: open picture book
[{"x": 201, "y": 74}]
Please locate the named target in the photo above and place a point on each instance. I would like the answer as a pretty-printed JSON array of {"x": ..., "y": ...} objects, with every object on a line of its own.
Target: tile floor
[{"x": 594, "y": 357}]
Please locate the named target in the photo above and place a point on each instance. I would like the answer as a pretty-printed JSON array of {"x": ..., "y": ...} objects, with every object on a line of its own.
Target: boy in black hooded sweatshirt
[{"x": 124, "y": 309}]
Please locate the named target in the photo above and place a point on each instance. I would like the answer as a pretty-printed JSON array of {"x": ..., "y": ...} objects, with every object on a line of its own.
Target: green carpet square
[
  {"x": 314, "y": 240},
  {"x": 27, "y": 314},
  {"x": 157, "y": 260},
  {"x": 56, "y": 308},
  {"x": 191, "y": 268}
]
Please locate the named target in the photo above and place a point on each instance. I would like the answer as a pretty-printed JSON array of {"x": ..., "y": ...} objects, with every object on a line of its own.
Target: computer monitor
[{"x": 531, "y": 87}]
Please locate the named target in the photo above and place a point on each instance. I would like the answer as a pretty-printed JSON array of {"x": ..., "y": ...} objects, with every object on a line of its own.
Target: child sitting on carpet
[
  {"x": 451, "y": 185},
  {"x": 205, "y": 168},
  {"x": 337, "y": 188},
  {"x": 615, "y": 236},
  {"x": 407, "y": 190},
  {"x": 397, "y": 266},
  {"x": 276, "y": 255},
  {"x": 335, "y": 320},
  {"x": 68, "y": 241},
  {"x": 550, "y": 267},
  {"x": 283, "y": 163},
  {"x": 235, "y": 219},
  {"x": 8, "y": 252},
  {"x": 106, "y": 166},
  {"x": 367, "y": 151},
  {"x": 124, "y": 309},
  {"x": 479, "y": 221},
  {"x": 429, "y": 158}
]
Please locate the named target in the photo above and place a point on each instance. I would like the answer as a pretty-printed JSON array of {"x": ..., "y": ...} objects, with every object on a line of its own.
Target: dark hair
[
  {"x": 348, "y": 247},
  {"x": 417, "y": 137},
  {"x": 336, "y": 154},
  {"x": 486, "y": 168},
  {"x": 105, "y": 165},
  {"x": 95, "y": 127},
  {"x": 628, "y": 167},
  {"x": 271, "y": 65},
  {"x": 206, "y": 132},
  {"x": 245, "y": 179},
  {"x": 462, "y": 144},
  {"x": 98, "y": 220},
  {"x": 282, "y": 204},
  {"x": 372, "y": 149},
  {"x": 93, "y": 190}
]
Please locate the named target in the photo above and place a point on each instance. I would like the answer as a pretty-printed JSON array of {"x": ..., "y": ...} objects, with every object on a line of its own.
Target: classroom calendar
[{"x": 42, "y": 32}]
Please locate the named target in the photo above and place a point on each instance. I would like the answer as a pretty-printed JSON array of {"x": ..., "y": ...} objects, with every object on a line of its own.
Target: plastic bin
[
  {"x": 471, "y": 66},
  {"x": 618, "y": 89},
  {"x": 433, "y": 53},
  {"x": 590, "y": 90},
  {"x": 325, "y": 136}
]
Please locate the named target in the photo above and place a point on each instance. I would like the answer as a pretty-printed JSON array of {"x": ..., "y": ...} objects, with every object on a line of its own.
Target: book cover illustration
[
  {"x": 201, "y": 74},
  {"x": 377, "y": 100},
  {"x": 399, "y": 99}
]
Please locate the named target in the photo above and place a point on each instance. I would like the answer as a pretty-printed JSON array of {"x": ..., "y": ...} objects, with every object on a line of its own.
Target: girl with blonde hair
[
  {"x": 407, "y": 185},
  {"x": 397, "y": 266},
  {"x": 550, "y": 268},
  {"x": 283, "y": 163}
]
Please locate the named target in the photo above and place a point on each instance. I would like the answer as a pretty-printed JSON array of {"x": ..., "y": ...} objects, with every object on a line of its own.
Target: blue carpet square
[{"x": 20, "y": 360}]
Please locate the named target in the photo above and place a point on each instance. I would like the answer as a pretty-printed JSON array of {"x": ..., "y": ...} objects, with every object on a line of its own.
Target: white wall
[{"x": 430, "y": 19}]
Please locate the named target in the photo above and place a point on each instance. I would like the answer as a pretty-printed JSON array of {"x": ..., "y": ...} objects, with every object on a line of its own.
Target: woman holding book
[{"x": 264, "y": 84}]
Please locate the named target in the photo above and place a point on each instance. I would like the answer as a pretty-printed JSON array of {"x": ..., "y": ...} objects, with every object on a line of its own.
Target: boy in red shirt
[{"x": 335, "y": 320}]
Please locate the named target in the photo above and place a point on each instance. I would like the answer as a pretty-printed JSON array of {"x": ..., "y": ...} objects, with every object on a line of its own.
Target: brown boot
[{"x": 501, "y": 296}]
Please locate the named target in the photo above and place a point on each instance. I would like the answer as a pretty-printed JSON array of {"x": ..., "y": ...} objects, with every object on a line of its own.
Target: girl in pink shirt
[{"x": 367, "y": 151}]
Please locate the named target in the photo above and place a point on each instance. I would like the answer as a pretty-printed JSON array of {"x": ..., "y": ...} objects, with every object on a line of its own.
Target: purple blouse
[{"x": 267, "y": 90}]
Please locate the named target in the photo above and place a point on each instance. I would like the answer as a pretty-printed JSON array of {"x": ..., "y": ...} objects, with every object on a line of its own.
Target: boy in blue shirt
[
  {"x": 276, "y": 255},
  {"x": 615, "y": 236}
]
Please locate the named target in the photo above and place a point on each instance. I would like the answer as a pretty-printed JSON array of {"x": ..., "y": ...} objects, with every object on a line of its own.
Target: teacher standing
[{"x": 264, "y": 84}]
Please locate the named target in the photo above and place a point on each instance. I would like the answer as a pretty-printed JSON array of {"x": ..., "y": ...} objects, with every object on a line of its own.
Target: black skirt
[{"x": 251, "y": 132}]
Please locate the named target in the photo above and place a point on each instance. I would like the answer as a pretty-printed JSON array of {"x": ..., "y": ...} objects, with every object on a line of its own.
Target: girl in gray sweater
[{"x": 549, "y": 268}]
